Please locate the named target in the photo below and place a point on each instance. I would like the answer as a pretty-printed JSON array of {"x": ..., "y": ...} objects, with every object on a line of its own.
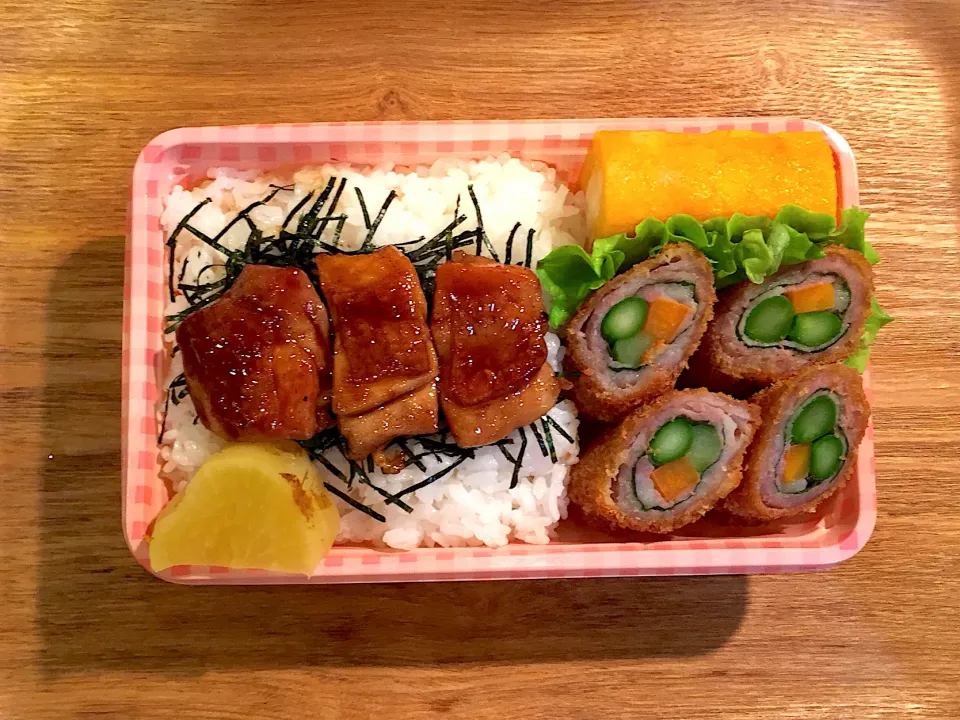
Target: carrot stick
[
  {"x": 664, "y": 318},
  {"x": 675, "y": 477},
  {"x": 796, "y": 463},
  {"x": 812, "y": 298}
]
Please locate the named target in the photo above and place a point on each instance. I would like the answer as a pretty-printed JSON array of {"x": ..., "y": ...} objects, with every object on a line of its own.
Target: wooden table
[{"x": 85, "y": 632}]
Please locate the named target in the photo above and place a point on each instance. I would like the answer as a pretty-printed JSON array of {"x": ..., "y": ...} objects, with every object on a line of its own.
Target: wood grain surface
[{"x": 85, "y": 632}]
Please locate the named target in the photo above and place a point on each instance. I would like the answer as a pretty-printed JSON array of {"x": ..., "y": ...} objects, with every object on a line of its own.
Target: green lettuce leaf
[
  {"x": 851, "y": 234},
  {"x": 738, "y": 224},
  {"x": 799, "y": 247},
  {"x": 710, "y": 237},
  {"x": 720, "y": 249},
  {"x": 569, "y": 275},
  {"x": 743, "y": 247},
  {"x": 816, "y": 226},
  {"x": 755, "y": 256},
  {"x": 647, "y": 236},
  {"x": 876, "y": 320}
]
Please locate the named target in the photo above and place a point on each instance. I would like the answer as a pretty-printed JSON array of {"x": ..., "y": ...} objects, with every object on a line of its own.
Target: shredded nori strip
[
  {"x": 438, "y": 243},
  {"x": 517, "y": 461},
  {"x": 539, "y": 437},
  {"x": 558, "y": 428},
  {"x": 432, "y": 252},
  {"x": 322, "y": 225},
  {"x": 215, "y": 244},
  {"x": 433, "y": 478},
  {"x": 355, "y": 503},
  {"x": 245, "y": 213},
  {"x": 332, "y": 438},
  {"x": 363, "y": 207},
  {"x": 368, "y": 241},
  {"x": 387, "y": 497},
  {"x": 320, "y": 442},
  {"x": 410, "y": 458},
  {"x": 441, "y": 447},
  {"x": 481, "y": 233},
  {"x": 506, "y": 453},
  {"x": 172, "y": 241},
  {"x": 509, "y": 254},
  {"x": 179, "y": 383},
  {"x": 194, "y": 293},
  {"x": 322, "y": 459},
  {"x": 183, "y": 272},
  {"x": 297, "y": 208},
  {"x": 449, "y": 235},
  {"x": 308, "y": 221},
  {"x": 339, "y": 231},
  {"x": 528, "y": 260},
  {"x": 548, "y": 436},
  {"x": 516, "y": 468},
  {"x": 176, "y": 392}
]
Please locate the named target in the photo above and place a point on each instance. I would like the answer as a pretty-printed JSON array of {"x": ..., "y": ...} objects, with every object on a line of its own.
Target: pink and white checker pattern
[{"x": 186, "y": 153}]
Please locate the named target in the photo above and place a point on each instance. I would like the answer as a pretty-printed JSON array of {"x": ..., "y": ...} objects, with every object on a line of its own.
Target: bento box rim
[{"x": 692, "y": 557}]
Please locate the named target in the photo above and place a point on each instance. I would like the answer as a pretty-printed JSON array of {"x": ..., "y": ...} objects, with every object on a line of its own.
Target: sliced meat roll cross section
[
  {"x": 257, "y": 362},
  {"x": 384, "y": 364},
  {"x": 824, "y": 301},
  {"x": 678, "y": 279},
  {"x": 806, "y": 450},
  {"x": 488, "y": 326},
  {"x": 667, "y": 463}
]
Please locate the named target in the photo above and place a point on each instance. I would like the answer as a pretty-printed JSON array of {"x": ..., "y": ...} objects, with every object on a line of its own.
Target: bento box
[{"x": 839, "y": 530}]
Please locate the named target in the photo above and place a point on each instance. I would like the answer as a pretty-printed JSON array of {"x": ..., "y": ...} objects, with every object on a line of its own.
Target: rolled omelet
[{"x": 631, "y": 175}]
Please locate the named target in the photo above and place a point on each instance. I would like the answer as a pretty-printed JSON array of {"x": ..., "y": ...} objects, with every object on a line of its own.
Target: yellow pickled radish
[
  {"x": 249, "y": 506},
  {"x": 631, "y": 175}
]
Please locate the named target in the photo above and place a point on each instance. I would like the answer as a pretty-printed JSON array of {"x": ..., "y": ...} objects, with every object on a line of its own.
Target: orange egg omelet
[{"x": 631, "y": 175}]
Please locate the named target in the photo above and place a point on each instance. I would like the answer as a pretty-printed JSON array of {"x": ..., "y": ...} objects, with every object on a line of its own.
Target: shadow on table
[{"x": 98, "y": 609}]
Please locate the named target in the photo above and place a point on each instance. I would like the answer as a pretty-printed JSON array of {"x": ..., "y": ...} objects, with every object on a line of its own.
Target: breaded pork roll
[
  {"x": 667, "y": 463},
  {"x": 806, "y": 448},
  {"x": 629, "y": 342},
  {"x": 811, "y": 313}
]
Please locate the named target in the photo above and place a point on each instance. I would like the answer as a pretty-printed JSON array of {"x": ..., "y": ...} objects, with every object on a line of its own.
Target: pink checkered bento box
[{"x": 840, "y": 530}]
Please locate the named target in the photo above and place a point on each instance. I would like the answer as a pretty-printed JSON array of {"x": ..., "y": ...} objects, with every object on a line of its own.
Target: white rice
[
  {"x": 474, "y": 504},
  {"x": 508, "y": 191}
]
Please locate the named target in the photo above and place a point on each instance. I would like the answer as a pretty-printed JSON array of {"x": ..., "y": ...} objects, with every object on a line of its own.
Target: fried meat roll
[
  {"x": 806, "y": 449},
  {"x": 630, "y": 341},
  {"x": 667, "y": 463},
  {"x": 811, "y": 313}
]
